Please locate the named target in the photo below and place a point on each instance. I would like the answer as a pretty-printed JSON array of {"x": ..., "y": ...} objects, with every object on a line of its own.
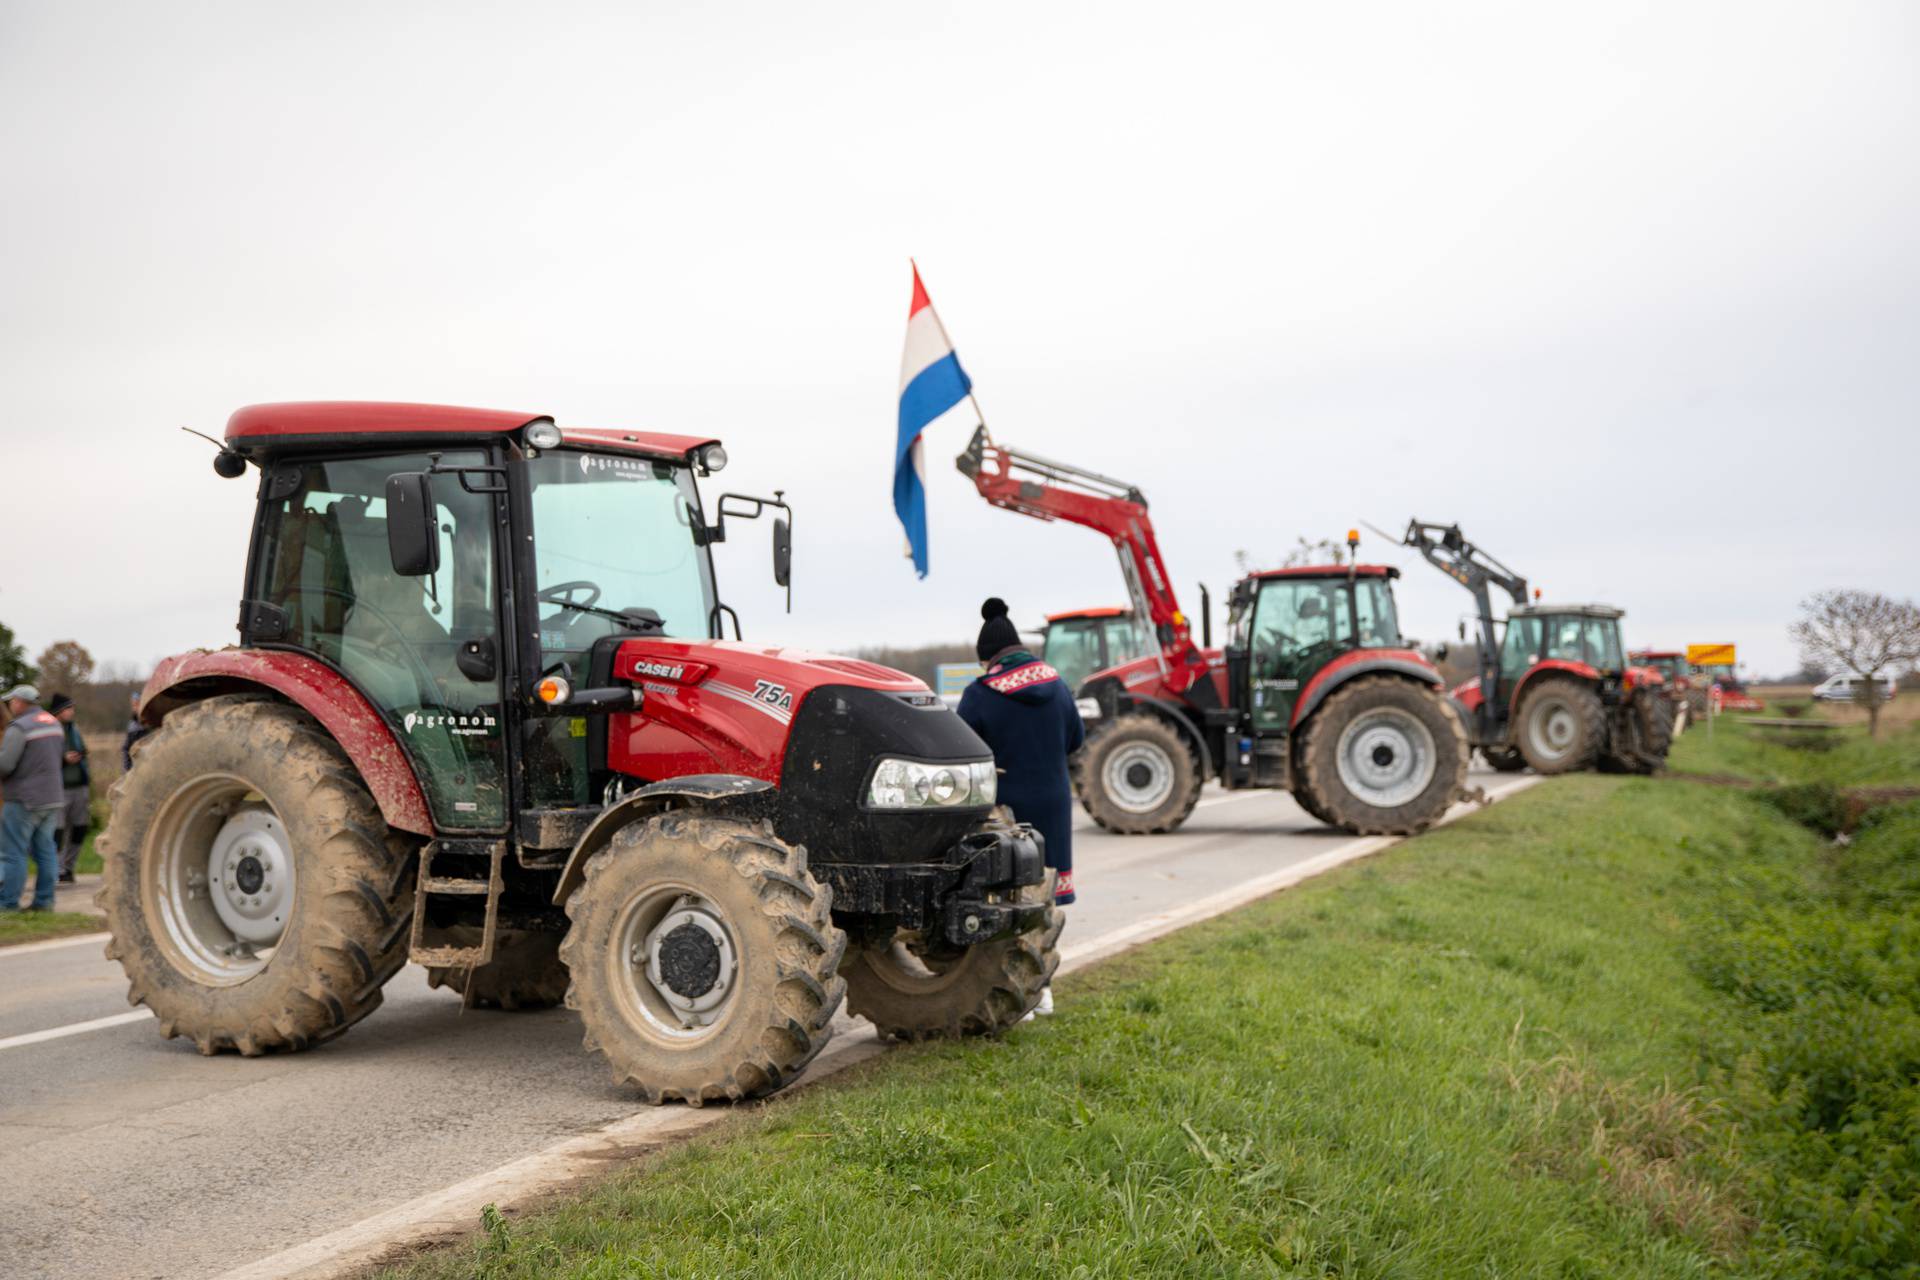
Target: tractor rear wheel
[
  {"x": 1647, "y": 724},
  {"x": 704, "y": 958},
  {"x": 1383, "y": 756},
  {"x": 1504, "y": 759},
  {"x": 1561, "y": 724},
  {"x": 912, "y": 990},
  {"x": 1137, "y": 777},
  {"x": 256, "y": 898},
  {"x": 526, "y": 971}
]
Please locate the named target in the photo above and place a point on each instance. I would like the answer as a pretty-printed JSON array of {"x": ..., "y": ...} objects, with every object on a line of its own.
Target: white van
[{"x": 1840, "y": 688}]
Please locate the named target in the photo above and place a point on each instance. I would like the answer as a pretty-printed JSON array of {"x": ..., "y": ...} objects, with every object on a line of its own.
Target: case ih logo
[{"x": 662, "y": 670}]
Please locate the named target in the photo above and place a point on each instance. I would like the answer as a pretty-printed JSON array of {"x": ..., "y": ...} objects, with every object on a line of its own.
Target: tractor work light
[
  {"x": 543, "y": 435},
  {"x": 909, "y": 784},
  {"x": 553, "y": 690},
  {"x": 713, "y": 458}
]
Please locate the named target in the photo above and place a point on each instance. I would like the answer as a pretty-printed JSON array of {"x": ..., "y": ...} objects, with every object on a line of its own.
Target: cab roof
[
  {"x": 1562, "y": 610},
  {"x": 1330, "y": 571},
  {"x": 305, "y": 424},
  {"x": 1104, "y": 611}
]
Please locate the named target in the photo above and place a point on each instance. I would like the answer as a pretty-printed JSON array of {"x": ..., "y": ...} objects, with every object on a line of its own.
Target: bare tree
[
  {"x": 65, "y": 665},
  {"x": 1863, "y": 632},
  {"x": 1322, "y": 551}
]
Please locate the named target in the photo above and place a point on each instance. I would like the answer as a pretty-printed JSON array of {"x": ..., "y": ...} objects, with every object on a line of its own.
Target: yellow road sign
[{"x": 1710, "y": 655}]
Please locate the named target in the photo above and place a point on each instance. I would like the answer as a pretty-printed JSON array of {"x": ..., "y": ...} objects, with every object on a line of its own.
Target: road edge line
[
  {"x": 51, "y": 944},
  {"x": 455, "y": 1210}
]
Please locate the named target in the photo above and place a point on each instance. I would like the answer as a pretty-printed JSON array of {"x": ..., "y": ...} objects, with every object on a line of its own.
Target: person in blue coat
[{"x": 1024, "y": 711}]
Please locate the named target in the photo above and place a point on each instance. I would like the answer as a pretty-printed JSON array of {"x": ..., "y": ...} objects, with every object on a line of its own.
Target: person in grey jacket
[
  {"x": 76, "y": 782},
  {"x": 31, "y": 756}
]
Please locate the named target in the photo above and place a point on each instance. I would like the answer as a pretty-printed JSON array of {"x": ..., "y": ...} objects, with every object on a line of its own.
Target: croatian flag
[{"x": 931, "y": 382}]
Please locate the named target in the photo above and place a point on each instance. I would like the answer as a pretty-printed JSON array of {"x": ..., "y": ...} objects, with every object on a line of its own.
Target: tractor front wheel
[
  {"x": 1645, "y": 733},
  {"x": 256, "y": 898},
  {"x": 1561, "y": 725},
  {"x": 1383, "y": 756},
  {"x": 1137, "y": 777},
  {"x": 913, "y": 990},
  {"x": 704, "y": 958}
]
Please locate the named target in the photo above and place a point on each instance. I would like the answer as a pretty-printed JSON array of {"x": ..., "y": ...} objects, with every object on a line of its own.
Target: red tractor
[
  {"x": 1557, "y": 692},
  {"x": 1677, "y": 677},
  {"x": 481, "y": 716},
  {"x": 1314, "y": 694},
  {"x": 1080, "y": 642}
]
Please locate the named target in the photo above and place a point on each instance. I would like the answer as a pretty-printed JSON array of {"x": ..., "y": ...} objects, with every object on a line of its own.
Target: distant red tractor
[
  {"x": 481, "y": 716},
  {"x": 1556, "y": 691},
  {"x": 1315, "y": 693},
  {"x": 1080, "y": 642}
]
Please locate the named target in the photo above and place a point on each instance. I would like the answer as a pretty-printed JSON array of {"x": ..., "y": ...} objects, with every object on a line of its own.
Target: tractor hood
[{"x": 719, "y": 706}]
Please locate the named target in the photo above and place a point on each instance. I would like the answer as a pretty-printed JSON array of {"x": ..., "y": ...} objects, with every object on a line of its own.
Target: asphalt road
[{"x": 130, "y": 1156}]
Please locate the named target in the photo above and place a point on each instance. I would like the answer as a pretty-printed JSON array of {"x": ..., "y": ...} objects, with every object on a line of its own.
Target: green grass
[
  {"x": 1612, "y": 1027},
  {"x": 37, "y": 926},
  {"x": 1848, "y": 758}
]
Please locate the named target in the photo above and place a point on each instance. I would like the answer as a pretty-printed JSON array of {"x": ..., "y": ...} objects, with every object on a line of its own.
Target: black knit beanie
[{"x": 997, "y": 632}]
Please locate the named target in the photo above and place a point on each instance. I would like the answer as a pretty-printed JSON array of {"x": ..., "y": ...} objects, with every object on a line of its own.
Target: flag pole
[{"x": 946, "y": 337}]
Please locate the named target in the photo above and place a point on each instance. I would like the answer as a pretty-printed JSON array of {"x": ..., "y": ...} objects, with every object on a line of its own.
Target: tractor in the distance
[
  {"x": 1677, "y": 677},
  {"x": 1079, "y": 642},
  {"x": 481, "y": 716},
  {"x": 1315, "y": 692},
  {"x": 1556, "y": 690}
]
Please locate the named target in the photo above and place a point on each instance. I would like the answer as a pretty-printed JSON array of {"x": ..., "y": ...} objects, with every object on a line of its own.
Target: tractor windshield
[
  {"x": 1300, "y": 624},
  {"x": 614, "y": 534}
]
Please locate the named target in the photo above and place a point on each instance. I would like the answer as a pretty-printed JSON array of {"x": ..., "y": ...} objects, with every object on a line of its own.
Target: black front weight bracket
[{"x": 997, "y": 863}]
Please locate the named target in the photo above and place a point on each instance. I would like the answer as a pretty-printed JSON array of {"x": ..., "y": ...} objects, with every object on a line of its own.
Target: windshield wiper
[{"x": 636, "y": 619}]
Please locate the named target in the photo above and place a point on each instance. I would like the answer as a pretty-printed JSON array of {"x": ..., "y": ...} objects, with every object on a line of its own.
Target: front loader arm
[
  {"x": 1447, "y": 549},
  {"x": 1047, "y": 490}
]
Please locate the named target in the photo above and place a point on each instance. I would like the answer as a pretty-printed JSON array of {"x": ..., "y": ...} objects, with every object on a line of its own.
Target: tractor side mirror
[
  {"x": 782, "y": 551},
  {"x": 413, "y": 542}
]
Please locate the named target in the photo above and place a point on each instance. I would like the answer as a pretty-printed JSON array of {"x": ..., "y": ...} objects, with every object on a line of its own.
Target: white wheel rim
[
  {"x": 1386, "y": 757},
  {"x": 1138, "y": 777},
  {"x": 1554, "y": 728},
  {"x": 218, "y": 878},
  {"x": 651, "y": 959}
]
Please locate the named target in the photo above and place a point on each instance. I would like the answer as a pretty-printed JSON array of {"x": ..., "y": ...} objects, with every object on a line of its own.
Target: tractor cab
[
  {"x": 1561, "y": 635},
  {"x": 1671, "y": 665},
  {"x": 1286, "y": 625},
  {"x": 1083, "y": 641}
]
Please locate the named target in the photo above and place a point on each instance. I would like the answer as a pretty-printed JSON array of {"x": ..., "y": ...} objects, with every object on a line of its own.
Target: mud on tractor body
[{"x": 481, "y": 716}]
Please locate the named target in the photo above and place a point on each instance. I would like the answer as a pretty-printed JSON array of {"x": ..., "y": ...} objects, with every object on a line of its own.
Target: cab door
[
  {"x": 1297, "y": 628},
  {"x": 412, "y": 646}
]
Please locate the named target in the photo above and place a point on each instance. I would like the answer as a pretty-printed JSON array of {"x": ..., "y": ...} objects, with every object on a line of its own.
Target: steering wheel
[
  {"x": 397, "y": 647},
  {"x": 562, "y": 593}
]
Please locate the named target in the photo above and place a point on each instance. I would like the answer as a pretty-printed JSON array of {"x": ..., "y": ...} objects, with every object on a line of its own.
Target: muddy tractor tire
[
  {"x": 1137, "y": 776},
  {"x": 1504, "y": 759},
  {"x": 704, "y": 958},
  {"x": 256, "y": 899},
  {"x": 1643, "y": 734},
  {"x": 911, "y": 991},
  {"x": 1383, "y": 756},
  {"x": 1561, "y": 726},
  {"x": 526, "y": 971},
  {"x": 1308, "y": 801}
]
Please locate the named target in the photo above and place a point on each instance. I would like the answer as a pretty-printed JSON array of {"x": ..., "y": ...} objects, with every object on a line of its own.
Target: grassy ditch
[
  {"x": 37, "y": 926},
  {"x": 1612, "y": 1027}
]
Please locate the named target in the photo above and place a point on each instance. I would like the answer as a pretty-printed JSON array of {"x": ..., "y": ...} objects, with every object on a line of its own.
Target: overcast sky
[{"x": 1633, "y": 292}]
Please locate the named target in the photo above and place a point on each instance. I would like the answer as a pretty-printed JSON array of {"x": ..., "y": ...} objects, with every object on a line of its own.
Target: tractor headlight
[
  {"x": 543, "y": 435},
  {"x": 713, "y": 458},
  {"x": 909, "y": 784}
]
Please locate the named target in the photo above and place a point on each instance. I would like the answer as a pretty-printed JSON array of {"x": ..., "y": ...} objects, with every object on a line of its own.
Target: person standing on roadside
[
  {"x": 30, "y": 761},
  {"x": 76, "y": 785},
  {"x": 1024, "y": 711}
]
